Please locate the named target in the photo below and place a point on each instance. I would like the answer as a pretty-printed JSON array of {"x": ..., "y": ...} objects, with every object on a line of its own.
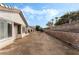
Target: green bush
[{"x": 38, "y": 28}]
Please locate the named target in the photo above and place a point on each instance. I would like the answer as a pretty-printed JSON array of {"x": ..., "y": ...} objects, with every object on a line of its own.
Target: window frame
[{"x": 5, "y": 21}]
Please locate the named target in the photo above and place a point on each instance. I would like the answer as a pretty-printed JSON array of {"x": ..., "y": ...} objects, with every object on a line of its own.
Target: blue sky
[{"x": 41, "y": 13}]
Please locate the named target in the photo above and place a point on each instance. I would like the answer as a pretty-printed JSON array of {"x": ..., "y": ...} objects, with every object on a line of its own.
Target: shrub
[{"x": 38, "y": 28}]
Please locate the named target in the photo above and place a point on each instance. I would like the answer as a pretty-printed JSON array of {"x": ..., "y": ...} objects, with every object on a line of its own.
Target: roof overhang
[{"x": 14, "y": 11}]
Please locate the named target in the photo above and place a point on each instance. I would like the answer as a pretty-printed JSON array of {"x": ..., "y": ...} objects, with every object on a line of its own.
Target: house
[
  {"x": 12, "y": 25},
  {"x": 30, "y": 29}
]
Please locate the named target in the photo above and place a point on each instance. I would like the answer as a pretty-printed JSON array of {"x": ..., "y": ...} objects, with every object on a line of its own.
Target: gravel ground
[{"x": 38, "y": 43}]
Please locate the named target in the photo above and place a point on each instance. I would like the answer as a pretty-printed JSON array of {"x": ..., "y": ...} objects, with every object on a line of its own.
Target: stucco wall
[
  {"x": 67, "y": 27},
  {"x": 69, "y": 37},
  {"x": 11, "y": 17},
  {"x": 15, "y": 17},
  {"x": 23, "y": 33},
  {"x": 5, "y": 42},
  {"x": 67, "y": 32}
]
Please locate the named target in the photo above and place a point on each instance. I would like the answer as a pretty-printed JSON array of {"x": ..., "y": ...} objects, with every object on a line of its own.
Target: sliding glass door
[{"x": 5, "y": 29}]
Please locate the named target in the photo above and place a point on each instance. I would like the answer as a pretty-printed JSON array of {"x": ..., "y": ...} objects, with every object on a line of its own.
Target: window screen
[
  {"x": 19, "y": 29},
  {"x": 3, "y": 29},
  {"x": 9, "y": 30}
]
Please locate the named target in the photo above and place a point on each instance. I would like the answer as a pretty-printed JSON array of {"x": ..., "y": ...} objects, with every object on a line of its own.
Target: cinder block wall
[
  {"x": 68, "y": 33},
  {"x": 68, "y": 37},
  {"x": 74, "y": 27}
]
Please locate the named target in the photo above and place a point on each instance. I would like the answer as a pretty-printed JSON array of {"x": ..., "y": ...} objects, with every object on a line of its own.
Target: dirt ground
[{"x": 38, "y": 43}]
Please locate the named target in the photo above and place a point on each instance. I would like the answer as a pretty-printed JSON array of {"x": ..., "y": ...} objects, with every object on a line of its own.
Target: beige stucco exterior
[{"x": 12, "y": 17}]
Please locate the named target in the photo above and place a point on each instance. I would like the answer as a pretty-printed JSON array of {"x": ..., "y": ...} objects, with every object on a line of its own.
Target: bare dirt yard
[{"x": 38, "y": 43}]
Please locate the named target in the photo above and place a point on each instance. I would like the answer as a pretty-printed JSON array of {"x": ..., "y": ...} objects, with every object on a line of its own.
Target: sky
[{"x": 41, "y": 13}]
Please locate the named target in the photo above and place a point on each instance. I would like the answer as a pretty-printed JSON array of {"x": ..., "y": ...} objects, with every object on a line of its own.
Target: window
[
  {"x": 28, "y": 31},
  {"x": 9, "y": 30},
  {"x": 3, "y": 29},
  {"x": 19, "y": 29}
]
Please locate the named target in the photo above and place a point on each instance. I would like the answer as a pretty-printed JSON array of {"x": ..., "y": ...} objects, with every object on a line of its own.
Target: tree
[
  {"x": 56, "y": 18},
  {"x": 52, "y": 20},
  {"x": 68, "y": 18},
  {"x": 38, "y": 28},
  {"x": 49, "y": 24}
]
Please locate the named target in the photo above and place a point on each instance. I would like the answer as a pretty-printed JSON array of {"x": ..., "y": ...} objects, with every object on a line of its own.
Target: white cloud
[
  {"x": 41, "y": 14},
  {"x": 16, "y": 7},
  {"x": 49, "y": 12}
]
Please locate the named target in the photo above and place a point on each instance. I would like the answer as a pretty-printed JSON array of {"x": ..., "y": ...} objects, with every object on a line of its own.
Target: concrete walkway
[{"x": 38, "y": 43}]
